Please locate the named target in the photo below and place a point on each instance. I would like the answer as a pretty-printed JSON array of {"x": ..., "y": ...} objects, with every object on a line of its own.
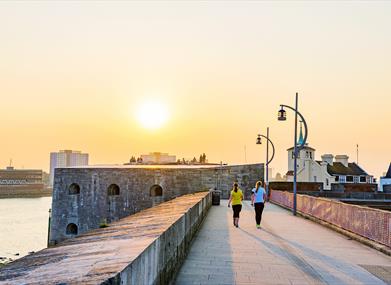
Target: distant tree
[
  {"x": 178, "y": 161},
  {"x": 194, "y": 160},
  {"x": 202, "y": 158},
  {"x": 183, "y": 161},
  {"x": 132, "y": 159}
]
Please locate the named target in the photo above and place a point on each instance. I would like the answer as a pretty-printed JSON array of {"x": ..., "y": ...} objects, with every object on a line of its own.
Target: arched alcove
[
  {"x": 71, "y": 229},
  {"x": 156, "y": 191},
  {"x": 113, "y": 190},
  {"x": 74, "y": 189}
]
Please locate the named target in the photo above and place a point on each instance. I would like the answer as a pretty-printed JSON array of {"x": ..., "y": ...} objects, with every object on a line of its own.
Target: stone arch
[
  {"x": 113, "y": 190},
  {"x": 74, "y": 189},
  {"x": 71, "y": 229},
  {"x": 156, "y": 191}
]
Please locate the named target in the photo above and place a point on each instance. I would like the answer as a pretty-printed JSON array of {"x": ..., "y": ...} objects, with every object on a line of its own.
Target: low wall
[
  {"x": 353, "y": 187},
  {"x": 318, "y": 187},
  {"x": 301, "y": 186},
  {"x": 24, "y": 191},
  {"x": 369, "y": 223},
  {"x": 145, "y": 248}
]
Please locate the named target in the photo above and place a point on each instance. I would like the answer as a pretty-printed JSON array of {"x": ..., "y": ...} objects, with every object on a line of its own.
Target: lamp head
[
  {"x": 282, "y": 114},
  {"x": 259, "y": 140}
]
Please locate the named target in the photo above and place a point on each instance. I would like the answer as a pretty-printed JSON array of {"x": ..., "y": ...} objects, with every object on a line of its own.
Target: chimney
[
  {"x": 328, "y": 158},
  {"x": 342, "y": 159}
]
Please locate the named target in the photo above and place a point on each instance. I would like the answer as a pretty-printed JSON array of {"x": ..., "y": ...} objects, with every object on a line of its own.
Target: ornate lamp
[
  {"x": 282, "y": 114},
  {"x": 259, "y": 140}
]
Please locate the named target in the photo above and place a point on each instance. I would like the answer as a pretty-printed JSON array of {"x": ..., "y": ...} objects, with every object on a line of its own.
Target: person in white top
[{"x": 258, "y": 200}]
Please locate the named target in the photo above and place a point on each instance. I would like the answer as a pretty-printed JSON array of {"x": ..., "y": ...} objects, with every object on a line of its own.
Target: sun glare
[{"x": 152, "y": 114}]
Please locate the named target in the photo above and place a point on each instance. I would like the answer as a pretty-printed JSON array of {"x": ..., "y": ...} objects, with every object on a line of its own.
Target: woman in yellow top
[{"x": 236, "y": 198}]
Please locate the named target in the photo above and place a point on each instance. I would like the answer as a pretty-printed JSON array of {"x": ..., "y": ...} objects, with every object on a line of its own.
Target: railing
[{"x": 370, "y": 223}]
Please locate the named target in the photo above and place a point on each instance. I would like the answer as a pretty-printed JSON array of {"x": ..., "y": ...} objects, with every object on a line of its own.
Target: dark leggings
[
  {"x": 236, "y": 209},
  {"x": 258, "y": 212}
]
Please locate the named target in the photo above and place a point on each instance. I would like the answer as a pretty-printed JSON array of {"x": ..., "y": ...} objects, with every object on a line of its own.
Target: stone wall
[
  {"x": 145, "y": 248},
  {"x": 301, "y": 186},
  {"x": 82, "y": 197},
  {"x": 318, "y": 187},
  {"x": 24, "y": 191}
]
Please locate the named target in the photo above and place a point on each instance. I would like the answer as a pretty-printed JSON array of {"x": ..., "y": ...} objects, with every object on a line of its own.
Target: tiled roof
[
  {"x": 289, "y": 173},
  {"x": 339, "y": 169}
]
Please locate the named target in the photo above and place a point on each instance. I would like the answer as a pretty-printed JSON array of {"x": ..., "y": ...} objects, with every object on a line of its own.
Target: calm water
[{"x": 23, "y": 225}]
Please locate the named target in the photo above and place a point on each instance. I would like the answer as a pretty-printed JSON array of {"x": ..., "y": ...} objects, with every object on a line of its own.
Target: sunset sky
[{"x": 74, "y": 75}]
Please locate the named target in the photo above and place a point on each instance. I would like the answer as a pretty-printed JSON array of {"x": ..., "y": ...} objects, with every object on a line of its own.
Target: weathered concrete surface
[
  {"x": 93, "y": 204},
  {"x": 145, "y": 248},
  {"x": 287, "y": 250}
]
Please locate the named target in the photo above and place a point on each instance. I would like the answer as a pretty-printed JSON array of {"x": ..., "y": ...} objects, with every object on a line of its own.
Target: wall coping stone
[{"x": 100, "y": 256}]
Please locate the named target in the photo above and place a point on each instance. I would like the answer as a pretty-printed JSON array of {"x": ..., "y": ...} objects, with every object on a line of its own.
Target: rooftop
[{"x": 337, "y": 168}]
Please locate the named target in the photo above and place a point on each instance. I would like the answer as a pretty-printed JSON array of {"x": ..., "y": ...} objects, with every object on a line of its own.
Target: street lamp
[
  {"x": 259, "y": 141},
  {"x": 297, "y": 148}
]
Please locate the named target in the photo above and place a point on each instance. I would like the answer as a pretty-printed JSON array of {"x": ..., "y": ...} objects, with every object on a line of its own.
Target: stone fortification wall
[
  {"x": 145, "y": 248},
  {"x": 86, "y": 198}
]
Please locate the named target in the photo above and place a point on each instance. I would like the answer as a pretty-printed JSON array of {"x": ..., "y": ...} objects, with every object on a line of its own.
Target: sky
[{"x": 73, "y": 75}]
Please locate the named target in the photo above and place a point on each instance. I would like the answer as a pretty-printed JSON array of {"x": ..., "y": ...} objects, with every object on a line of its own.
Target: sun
[{"x": 152, "y": 114}]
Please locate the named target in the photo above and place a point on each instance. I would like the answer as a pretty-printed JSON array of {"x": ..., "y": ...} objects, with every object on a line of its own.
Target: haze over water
[{"x": 24, "y": 225}]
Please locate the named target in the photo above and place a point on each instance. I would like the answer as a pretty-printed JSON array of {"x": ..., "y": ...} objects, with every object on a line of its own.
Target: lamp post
[
  {"x": 282, "y": 117},
  {"x": 259, "y": 141}
]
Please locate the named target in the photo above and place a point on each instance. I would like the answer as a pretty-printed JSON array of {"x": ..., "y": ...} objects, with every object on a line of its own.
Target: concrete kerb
[{"x": 375, "y": 245}]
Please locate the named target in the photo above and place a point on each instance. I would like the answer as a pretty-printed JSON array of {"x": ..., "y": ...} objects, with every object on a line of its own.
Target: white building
[
  {"x": 66, "y": 158},
  {"x": 385, "y": 181},
  {"x": 329, "y": 170},
  {"x": 158, "y": 158}
]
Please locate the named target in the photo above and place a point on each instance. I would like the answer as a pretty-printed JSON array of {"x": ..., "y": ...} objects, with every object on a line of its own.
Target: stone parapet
[{"x": 145, "y": 248}]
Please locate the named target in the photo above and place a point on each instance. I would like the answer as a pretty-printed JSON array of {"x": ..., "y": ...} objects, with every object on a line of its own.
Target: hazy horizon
[{"x": 74, "y": 75}]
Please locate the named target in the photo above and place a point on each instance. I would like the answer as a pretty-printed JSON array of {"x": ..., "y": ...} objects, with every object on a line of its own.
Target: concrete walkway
[{"x": 288, "y": 250}]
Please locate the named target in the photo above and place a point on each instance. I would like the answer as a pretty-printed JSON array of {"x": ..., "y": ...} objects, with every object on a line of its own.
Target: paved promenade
[{"x": 287, "y": 250}]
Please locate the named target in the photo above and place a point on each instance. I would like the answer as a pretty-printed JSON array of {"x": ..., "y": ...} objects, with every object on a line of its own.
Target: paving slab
[{"x": 287, "y": 250}]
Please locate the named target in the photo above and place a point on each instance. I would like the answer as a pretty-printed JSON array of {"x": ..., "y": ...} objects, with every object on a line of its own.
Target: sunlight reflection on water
[{"x": 23, "y": 225}]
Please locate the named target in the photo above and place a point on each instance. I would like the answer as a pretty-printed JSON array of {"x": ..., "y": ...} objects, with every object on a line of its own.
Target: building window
[
  {"x": 311, "y": 154},
  {"x": 74, "y": 189},
  {"x": 342, "y": 179},
  {"x": 336, "y": 178},
  {"x": 315, "y": 179},
  {"x": 113, "y": 190},
  {"x": 307, "y": 154},
  {"x": 356, "y": 179},
  {"x": 363, "y": 179},
  {"x": 327, "y": 182},
  {"x": 71, "y": 229},
  {"x": 349, "y": 178},
  {"x": 156, "y": 190}
]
